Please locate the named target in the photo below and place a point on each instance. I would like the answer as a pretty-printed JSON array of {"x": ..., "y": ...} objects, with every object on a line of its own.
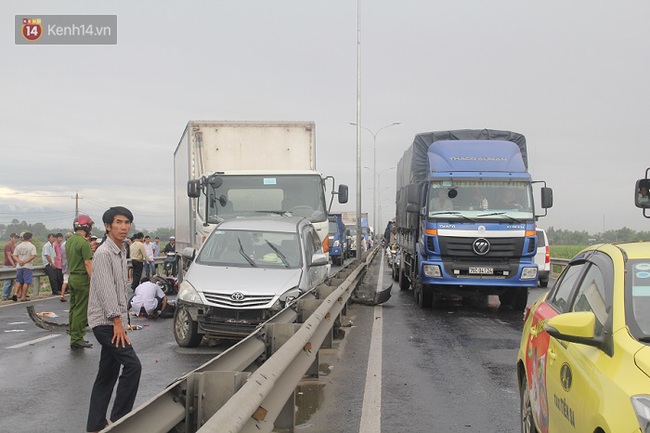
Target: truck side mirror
[
  {"x": 343, "y": 193},
  {"x": 641, "y": 195},
  {"x": 547, "y": 197},
  {"x": 412, "y": 208},
  {"x": 194, "y": 188}
]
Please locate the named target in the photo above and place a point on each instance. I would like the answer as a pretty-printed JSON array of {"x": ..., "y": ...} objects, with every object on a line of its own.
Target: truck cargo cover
[{"x": 414, "y": 165}]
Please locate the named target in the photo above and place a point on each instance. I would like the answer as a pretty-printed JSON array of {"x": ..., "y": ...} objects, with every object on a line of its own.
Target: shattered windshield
[{"x": 251, "y": 249}]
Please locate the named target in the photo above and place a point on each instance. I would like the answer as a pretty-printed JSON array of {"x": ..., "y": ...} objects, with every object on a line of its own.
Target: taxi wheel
[{"x": 526, "y": 411}]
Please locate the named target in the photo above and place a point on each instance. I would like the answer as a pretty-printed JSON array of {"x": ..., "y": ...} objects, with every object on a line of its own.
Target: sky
[{"x": 103, "y": 121}]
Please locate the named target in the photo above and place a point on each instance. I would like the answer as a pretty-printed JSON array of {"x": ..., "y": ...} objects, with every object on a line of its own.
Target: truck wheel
[
  {"x": 526, "y": 410},
  {"x": 515, "y": 298},
  {"x": 186, "y": 330},
  {"x": 395, "y": 273},
  {"x": 403, "y": 282},
  {"x": 424, "y": 296}
]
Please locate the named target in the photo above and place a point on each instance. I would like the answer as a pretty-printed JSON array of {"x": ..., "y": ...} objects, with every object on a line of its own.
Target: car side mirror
[
  {"x": 319, "y": 259},
  {"x": 641, "y": 194},
  {"x": 575, "y": 327},
  {"x": 188, "y": 253}
]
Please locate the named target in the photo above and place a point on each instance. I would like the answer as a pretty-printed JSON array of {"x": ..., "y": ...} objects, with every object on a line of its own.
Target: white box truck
[{"x": 227, "y": 169}]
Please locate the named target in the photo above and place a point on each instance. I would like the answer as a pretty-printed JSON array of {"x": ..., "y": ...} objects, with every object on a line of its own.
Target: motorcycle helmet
[{"x": 83, "y": 222}]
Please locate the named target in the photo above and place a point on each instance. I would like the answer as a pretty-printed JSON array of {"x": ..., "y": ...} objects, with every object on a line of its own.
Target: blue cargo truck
[
  {"x": 338, "y": 239},
  {"x": 466, "y": 217}
]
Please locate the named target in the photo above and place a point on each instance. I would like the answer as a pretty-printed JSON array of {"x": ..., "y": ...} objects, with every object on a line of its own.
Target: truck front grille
[{"x": 462, "y": 247}]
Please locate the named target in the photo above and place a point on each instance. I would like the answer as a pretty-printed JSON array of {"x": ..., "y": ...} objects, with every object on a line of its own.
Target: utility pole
[{"x": 76, "y": 203}]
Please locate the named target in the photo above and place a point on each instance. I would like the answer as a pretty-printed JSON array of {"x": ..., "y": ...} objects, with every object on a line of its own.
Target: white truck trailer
[{"x": 227, "y": 169}]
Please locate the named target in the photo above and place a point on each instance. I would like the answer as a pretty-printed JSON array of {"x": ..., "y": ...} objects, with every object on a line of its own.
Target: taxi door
[
  {"x": 573, "y": 378},
  {"x": 538, "y": 348}
]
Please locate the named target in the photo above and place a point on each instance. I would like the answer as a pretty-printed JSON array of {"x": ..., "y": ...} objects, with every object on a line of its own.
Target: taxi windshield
[{"x": 638, "y": 298}]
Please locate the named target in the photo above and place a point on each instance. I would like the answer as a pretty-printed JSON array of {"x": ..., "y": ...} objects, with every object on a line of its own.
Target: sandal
[{"x": 63, "y": 300}]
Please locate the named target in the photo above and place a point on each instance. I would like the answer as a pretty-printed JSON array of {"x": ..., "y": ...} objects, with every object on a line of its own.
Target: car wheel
[
  {"x": 526, "y": 411},
  {"x": 186, "y": 330}
]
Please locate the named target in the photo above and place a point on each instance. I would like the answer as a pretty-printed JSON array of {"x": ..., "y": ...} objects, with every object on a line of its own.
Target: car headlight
[
  {"x": 432, "y": 271},
  {"x": 528, "y": 273},
  {"x": 290, "y": 296},
  {"x": 641, "y": 405},
  {"x": 187, "y": 293}
]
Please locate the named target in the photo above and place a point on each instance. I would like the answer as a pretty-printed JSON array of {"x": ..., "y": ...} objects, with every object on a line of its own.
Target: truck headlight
[
  {"x": 432, "y": 271},
  {"x": 336, "y": 243},
  {"x": 641, "y": 405},
  {"x": 187, "y": 293},
  {"x": 528, "y": 273}
]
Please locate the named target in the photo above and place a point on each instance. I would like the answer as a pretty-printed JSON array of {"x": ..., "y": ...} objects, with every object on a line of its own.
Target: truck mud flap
[{"x": 368, "y": 296}]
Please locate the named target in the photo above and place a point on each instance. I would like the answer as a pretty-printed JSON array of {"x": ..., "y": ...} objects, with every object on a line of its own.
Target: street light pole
[
  {"x": 378, "y": 185},
  {"x": 374, "y": 167}
]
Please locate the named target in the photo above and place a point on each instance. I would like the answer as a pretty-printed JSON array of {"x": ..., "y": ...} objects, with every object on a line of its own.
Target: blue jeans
[
  {"x": 8, "y": 286},
  {"x": 149, "y": 269}
]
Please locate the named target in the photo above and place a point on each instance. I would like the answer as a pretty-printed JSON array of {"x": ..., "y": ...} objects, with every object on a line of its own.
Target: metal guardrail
[{"x": 251, "y": 386}]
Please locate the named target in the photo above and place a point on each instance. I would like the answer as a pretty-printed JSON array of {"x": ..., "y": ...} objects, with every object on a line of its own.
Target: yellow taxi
[{"x": 584, "y": 360}]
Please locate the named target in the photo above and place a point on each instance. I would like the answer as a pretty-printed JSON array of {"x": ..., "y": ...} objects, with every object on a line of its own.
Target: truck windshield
[
  {"x": 333, "y": 227},
  {"x": 476, "y": 200},
  {"x": 246, "y": 195}
]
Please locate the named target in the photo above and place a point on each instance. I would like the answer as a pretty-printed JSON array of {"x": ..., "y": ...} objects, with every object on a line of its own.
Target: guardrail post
[
  {"x": 213, "y": 389},
  {"x": 280, "y": 333},
  {"x": 306, "y": 308}
]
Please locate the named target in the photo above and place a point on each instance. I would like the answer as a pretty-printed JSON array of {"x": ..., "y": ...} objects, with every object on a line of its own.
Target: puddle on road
[{"x": 309, "y": 397}]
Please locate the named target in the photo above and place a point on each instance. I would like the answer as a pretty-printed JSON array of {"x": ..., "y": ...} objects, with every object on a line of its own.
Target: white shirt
[
  {"x": 145, "y": 296},
  {"x": 148, "y": 247}
]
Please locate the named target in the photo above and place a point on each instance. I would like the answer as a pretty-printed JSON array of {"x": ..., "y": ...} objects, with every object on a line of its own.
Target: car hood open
[
  {"x": 642, "y": 360},
  {"x": 223, "y": 279}
]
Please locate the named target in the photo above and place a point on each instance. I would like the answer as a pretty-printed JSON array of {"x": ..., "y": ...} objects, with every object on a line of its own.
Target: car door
[
  {"x": 557, "y": 302},
  {"x": 573, "y": 377}
]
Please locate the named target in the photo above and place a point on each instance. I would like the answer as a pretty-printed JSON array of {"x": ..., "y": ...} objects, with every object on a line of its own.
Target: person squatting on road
[
  {"x": 108, "y": 316},
  {"x": 80, "y": 263}
]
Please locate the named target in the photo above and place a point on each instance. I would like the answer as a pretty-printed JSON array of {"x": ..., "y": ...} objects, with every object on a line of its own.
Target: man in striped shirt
[{"x": 108, "y": 318}]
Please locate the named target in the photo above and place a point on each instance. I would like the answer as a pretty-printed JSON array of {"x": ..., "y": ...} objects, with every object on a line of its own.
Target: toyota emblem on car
[
  {"x": 481, "y": 246},
  {"x": 237, "y": 296}
]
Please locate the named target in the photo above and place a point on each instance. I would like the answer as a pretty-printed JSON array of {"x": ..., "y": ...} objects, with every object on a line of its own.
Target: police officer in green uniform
[{"x": 79, "y": 255}]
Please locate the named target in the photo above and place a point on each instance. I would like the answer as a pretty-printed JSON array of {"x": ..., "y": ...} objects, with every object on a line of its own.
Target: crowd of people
[{"x": 97, "y": 278}]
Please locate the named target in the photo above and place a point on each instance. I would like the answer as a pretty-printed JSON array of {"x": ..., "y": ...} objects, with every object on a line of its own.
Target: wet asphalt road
[
  {"x": 444, "y": 369},
  {"x": 46, "y": 385}
]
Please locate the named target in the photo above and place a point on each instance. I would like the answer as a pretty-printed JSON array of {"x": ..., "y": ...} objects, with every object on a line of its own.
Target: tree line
[
  {"x": 40, "y": 231},
  {"x": 568, "y": 237}
]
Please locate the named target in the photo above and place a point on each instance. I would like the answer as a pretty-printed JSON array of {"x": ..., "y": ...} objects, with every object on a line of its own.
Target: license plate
[{"x": 481, "y": 270}]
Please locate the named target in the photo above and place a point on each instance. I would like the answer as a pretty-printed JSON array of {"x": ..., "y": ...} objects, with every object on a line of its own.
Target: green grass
[{"x": 565, "y": 251}]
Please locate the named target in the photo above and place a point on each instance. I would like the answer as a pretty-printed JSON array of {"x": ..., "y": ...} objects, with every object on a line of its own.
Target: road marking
[
  {"x": 38, "y": 340},
  {"x": 371, "y": 410}
]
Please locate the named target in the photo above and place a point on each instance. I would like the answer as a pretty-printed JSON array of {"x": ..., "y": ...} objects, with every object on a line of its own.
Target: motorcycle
[
  {"x": 168, "y": 284},
  {"x": 170, "y": 264}
]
